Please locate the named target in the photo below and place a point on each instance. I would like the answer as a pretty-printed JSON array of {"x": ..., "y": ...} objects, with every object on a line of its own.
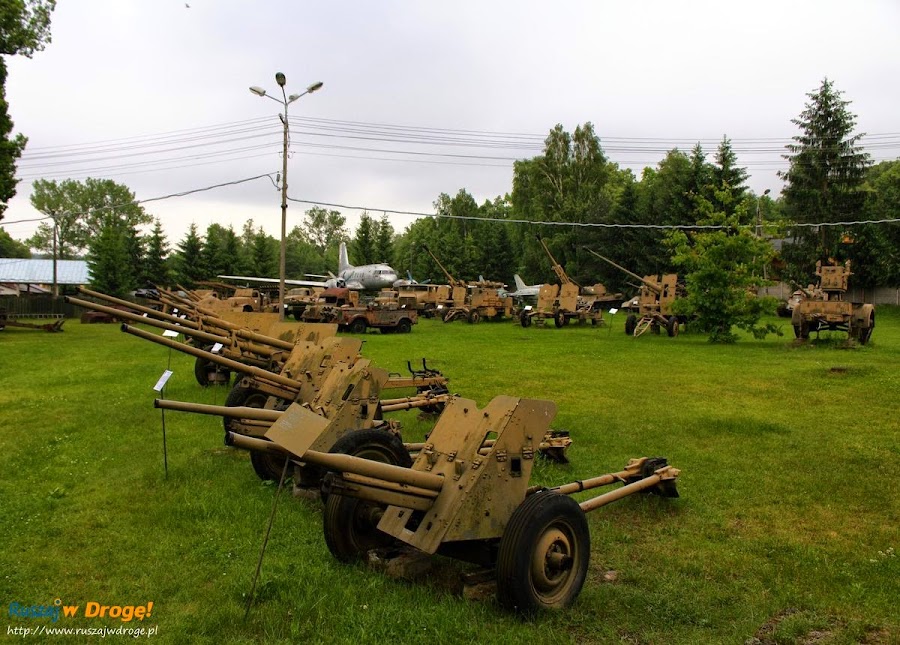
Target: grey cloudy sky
[{"x": 139, "y": 85}]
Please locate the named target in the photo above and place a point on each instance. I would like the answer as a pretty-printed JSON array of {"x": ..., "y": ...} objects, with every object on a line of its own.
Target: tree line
[{"x": 572, "y": 197}]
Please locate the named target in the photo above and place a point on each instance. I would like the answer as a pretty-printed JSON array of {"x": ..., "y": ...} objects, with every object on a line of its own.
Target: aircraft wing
[{"x": 293, "y": 283}]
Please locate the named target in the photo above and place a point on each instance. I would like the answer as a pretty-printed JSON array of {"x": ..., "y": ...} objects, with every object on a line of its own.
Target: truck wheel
[
  {"x": 544, "y": 553},
  {"x": 525, "y": 319},
  {"x": 404, "y": 326},
  {"x": 630, "y": 324},
  {"x": 357, "y": 326},
  {"x": 560, "y": 319},
  {"x": 672, "y": 326}
]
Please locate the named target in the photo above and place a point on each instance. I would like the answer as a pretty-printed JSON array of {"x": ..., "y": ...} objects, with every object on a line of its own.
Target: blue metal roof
[{"x": 41, "y": 271}]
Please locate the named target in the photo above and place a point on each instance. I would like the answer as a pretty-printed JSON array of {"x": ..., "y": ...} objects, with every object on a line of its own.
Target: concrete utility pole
[{"x": 285, "y": 101}]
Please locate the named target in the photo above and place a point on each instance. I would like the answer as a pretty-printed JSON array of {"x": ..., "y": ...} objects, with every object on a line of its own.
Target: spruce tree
[{"x": 824, "y": 182}]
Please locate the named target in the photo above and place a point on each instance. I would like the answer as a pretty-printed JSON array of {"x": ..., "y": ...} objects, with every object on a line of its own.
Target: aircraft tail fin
[
  {"x": 520, "y": 284},
  {"x": 343, "y": 261}
]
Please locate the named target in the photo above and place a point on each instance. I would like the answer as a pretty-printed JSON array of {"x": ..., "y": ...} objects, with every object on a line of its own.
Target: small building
[{"x": 20, "y": 276}]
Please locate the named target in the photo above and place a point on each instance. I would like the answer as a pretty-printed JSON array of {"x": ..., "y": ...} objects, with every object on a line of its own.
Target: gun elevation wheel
[{"x": 544, "y": 552}]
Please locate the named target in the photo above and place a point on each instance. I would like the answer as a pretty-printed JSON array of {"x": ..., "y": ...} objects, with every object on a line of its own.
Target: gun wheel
[
  {"x": 630, "y": 324},
  {"x": 204, "y": 368},
  {"x": 350, "y": 527},
  {"x": 242, "y": 397},
  {"x": 672, "y": 326},
  {"x": 525, "y": 319},
  {"x": 865, "y": 333},
  {"x": 267, "y": 465},
  {"x": 544, "y": 553}
]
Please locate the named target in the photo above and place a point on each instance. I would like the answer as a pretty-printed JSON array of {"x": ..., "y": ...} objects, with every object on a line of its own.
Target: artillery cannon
[
  {"x": 467, "y": 498},
  {"x": 236, "y": 342},
  {"x": 472, "y": 301},
  {"x": 12, "y": 320},
  {"x": 568, "y": 300},
  {"x": 654, "y": 302},
  {"x": 825, "y": 308}
]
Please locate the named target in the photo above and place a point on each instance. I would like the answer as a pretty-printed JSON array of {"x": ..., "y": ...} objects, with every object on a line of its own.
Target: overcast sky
[{"x": 421, "y": 98}]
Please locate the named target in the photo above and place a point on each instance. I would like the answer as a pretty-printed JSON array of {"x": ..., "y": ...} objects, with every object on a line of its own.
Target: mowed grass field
[{"x": 787, "y": 529}]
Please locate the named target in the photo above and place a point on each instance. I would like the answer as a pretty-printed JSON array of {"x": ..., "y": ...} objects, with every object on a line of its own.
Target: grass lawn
[{"x": 787, "y": 529}]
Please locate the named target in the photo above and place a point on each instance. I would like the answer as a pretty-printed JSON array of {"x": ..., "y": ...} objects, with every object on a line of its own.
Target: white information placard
[
  {"x": 215, "y": 348},
  {"x": 171, "y": 333},
  {"x": 161, "y": 383},
  {"x": 613, "y": 311}
]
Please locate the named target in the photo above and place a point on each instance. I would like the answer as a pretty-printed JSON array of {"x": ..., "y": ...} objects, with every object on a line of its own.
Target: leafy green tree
[
  {"x": 24, "y": 29},
  {"x": 723, "y": 270},
  {"x": 156, "y": 266},
  {"x": 324, "y": 229},
  {"x": 301, "y": 257},
  {"x": 189, "y": 258},
  {"x": 80, "y": 209},
  {"x": 110, "y": 257},
  {"x": 876, "y": 247},
  {"x": 824, "y": 182},
  {"x": 363, "y": 242},
  {"x": 10, "y": 248},
  {"x": 384, "y": 241}
]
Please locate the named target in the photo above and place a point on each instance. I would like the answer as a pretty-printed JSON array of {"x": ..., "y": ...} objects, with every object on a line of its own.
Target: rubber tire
[
  {"x": 560, "y": 320},
  {"x": 267, "y": 465},
  {"x": 349, "y": 523},
  {"x": 865, "y": 333},
  {"x": 404, "y": 326},
  {"x": 243, "y": 396},
  {"x": 672, "y": 326},
  {"x": 525, "y": 319},
  {"x": 358, "y": 326},
  {"x": 474, "y": 317},
  {"x": 537, "y": 519},
  {"x": 202, "y": 367},
  {"x": 630, "y": 324}
]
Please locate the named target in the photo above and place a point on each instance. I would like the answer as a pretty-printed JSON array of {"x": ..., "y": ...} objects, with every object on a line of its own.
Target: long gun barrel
[
  {"x": 127, "y": 315},
  {"x": 453, "y": 281},
  {"x": 650, "y": 285},
  {"x": 557, "y": 267},
  {"x": 236, "y": 366},
  {"x": 799, "y": 288},
  {"x": 140, "y": 308}
]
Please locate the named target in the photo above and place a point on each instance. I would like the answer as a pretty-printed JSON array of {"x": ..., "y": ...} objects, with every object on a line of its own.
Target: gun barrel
[
  {"x": 136, "y": 307},
  {"x": 645, "y": 282},
  {"x": 153, "y": 322},
  {"x": 346, "y": 463},
  {"x": 234, "y": 412},
  {"x": 237, "y": 366}
]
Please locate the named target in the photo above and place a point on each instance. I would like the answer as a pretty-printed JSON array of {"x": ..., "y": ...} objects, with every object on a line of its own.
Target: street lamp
[{"x": 285, "y": 101}]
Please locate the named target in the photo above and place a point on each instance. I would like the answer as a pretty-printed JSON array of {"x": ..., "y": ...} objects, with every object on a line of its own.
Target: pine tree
[
  {"x": 109, "y": 258},
  {"x": 824, "y": 182},
  {"x": 726, "y": 175},
  {"x": 363, "y": 243},
  {"x": 384, "y": 241},
  {"x": 156, "y": 267},
  {"x": 189, "y": 258}
]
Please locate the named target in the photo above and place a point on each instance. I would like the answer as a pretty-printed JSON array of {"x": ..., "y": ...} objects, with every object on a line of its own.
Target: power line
[{"x": 587, "y": 224}]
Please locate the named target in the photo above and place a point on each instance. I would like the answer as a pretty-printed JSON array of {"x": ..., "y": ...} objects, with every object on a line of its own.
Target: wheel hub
[{"x": 552, "y": 560}]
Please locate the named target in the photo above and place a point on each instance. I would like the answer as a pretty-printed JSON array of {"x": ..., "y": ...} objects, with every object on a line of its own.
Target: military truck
[
  {"x": 824, "y": 307},
  {"x": 341, "y": 306},
  {"x": 423, "y": 298},
  {"x": 297, "y": 300}
]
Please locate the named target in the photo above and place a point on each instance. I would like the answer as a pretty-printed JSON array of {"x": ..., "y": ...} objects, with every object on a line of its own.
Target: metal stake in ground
[
  {"x": 160, "y": 387},
  {"x": 262, "y": 550}
]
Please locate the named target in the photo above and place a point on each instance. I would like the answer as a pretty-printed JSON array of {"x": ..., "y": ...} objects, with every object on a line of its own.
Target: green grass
[{"x": 787, "y": 527}]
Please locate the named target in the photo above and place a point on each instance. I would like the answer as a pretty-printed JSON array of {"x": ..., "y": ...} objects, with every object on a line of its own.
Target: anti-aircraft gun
[
  {"x": 568, "y": 300},
  {"x": 654, "y": 302},
  {"x": 472, "y": 301},
  {"x": 824, "y": 306},
  {"x": 467, "y": 496}
]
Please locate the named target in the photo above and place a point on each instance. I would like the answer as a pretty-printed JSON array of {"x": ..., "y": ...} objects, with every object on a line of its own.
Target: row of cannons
[{"x": 305, "y": 403}]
